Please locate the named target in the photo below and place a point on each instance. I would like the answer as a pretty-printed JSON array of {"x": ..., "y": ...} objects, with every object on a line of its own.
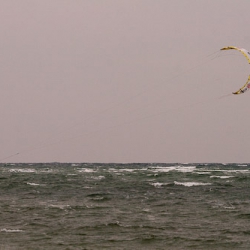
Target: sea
[{"x": 124, "y": 206}]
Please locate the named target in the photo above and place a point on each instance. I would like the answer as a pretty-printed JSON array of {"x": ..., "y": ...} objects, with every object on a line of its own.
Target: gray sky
[{"x": 123, "y": 81}]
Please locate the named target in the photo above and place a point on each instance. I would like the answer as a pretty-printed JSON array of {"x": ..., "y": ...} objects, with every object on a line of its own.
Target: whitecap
[
  {"x": 163, "y": 169},
  {"x": 203, "y": 172},
  {"x": 237, "y": 171},
  {"x": 143, "y": 169},
  {"x": 86, "y": 170},
  {"x": 229, "y": 208},
  {"x": 158, "y": 184},
  {"x": 99, "y": 177},
  {"x": 190, "y": 184},
  {"x": 182, "y": 169},
  {"x": 33, "y": 184},
  {"x": 11, "y": 230},
  {"x": 221, "y": 177},
  {"x": 126, "y": 170},
  {"x": 60, "y": 206},
  {"x": 22, "y": 170},
  {"x": 186, "y": 169}
]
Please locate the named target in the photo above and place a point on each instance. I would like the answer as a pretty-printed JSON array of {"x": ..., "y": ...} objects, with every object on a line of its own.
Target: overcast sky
[{"x": 123, "y": 81}]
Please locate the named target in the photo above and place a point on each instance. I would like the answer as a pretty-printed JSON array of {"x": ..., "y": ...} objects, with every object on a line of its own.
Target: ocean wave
[
  {"x": 237, "y": 171},
  {"x": 59, "y": 206},
  {"x": 75, "y": 165},
  {"x": 159, "y": 184},
  {"x": 186, "y": 169},
  {"x": 222, "y": 177},
  {"x": 32, "y": 184},
  {"x": 22, "y": 170},
  {"x": 86, "y": 170},
  {"x": 11, "y": 230},
  {"x": 203, "y": 172},
  {"x": 127, "y": 170},
  {"x": 190, "y": 184}
]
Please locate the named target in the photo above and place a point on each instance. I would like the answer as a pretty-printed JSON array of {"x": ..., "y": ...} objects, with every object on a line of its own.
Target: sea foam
[{"x": 190, "y": 184}]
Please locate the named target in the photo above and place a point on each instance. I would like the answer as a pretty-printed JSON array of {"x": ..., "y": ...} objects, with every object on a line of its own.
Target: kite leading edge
[{"x": 246, "y": 53}]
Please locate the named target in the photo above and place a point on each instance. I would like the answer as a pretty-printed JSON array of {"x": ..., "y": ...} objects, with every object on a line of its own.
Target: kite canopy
[{"x": 246, "y": 53}]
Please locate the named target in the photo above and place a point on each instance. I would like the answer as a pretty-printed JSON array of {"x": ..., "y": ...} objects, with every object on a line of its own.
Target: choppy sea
[{"x": 124, "y": 206}]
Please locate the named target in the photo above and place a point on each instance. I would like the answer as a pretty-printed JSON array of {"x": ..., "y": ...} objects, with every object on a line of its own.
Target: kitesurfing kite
[{"x": 246, "y": 53}]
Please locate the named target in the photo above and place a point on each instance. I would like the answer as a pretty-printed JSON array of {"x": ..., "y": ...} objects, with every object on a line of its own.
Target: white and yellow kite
[{"x": 246, "y": 53}]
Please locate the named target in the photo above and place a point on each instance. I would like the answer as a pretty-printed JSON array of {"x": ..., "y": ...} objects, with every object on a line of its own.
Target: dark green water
[{"x": 124, "y": 206}]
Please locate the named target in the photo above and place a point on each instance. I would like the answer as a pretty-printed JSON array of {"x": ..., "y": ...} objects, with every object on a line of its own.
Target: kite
[{"x": 246, "y": 53}]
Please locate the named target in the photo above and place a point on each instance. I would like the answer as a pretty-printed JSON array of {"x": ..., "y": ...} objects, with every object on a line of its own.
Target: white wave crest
[
  {"x": 33, "y": 184},
  {"x": 11, "y": 230},
  {"x": 22, "y": 170},
  {"x": 158, "y": 184},
  {"x": 182, "y": 169},
  {"x": 190, "y": 184},
  {"x": 86, "y": 170},
  {"x": 59, "y": 206},
  {"x": 221, "y": 177}
]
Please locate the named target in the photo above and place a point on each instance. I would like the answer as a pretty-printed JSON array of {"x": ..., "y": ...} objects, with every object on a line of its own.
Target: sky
[{"x": 123, "y": 81}]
